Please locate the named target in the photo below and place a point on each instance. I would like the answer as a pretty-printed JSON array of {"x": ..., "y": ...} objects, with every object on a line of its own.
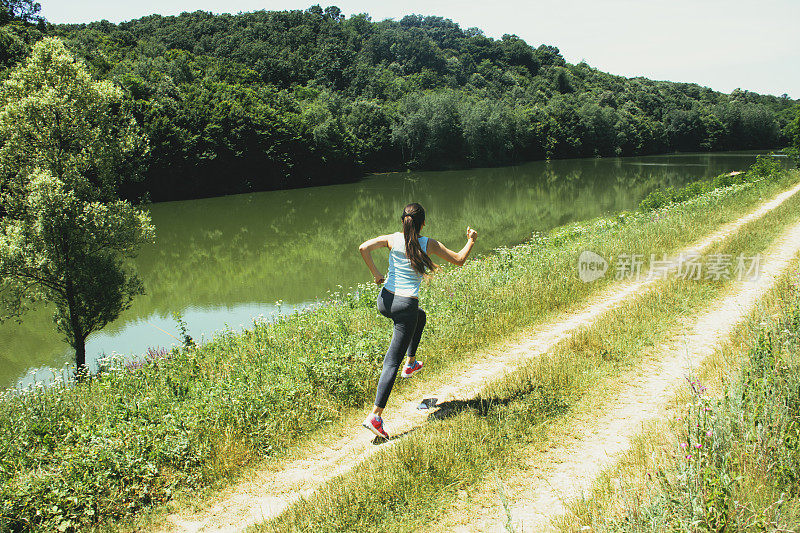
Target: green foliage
[
  {"x": 66, "y": 143},
  {"x": 187, "y": 418},
  {"x": 54, "y": 118},
  {"x": 278, "y": 99},
  {"x": 183, "y": 329},
  {"x": 738, "y": 456},
  {"x": 15, "y": 42},
  {"x": 66, "y": 251},
  {"x": 792, "y": 132},
  {"x": 766, "y": 167},
  {"x": 20, "y": 10},
  {"x": 473, "y": 438}
]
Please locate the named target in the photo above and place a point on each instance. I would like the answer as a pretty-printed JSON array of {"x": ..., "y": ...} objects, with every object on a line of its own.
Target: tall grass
[
  {"x": 411, "y": 483},
  {"x": 74, "y": 456},
  {"x": 734, "y": 463},
  {"x": 765, "y": 166}
]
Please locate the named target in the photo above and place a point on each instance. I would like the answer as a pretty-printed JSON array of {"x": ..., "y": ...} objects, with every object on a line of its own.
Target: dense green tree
[
  {"x": 685, "y": 129},
  {"x": 14, "y": 43},
  {"x": 22, "y": 10},
  {"x": 430, "y": 132},
  {"x": 371, "y": 124},
  {"x": 55, "y": 118},
  {"x": 492, "y": 133},
  {"x": 517, "y": 52},
  {"x": 65, "y": 143},
  {"x": 793, "y": 133},
  {"x": 274, "y": 99}
]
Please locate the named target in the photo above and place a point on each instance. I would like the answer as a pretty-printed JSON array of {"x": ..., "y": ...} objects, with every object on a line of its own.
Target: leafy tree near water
[
  {"x": 280, "y": 99},
  {"x": 793, "y": 133},
  {"x": 66, "y": 143}
]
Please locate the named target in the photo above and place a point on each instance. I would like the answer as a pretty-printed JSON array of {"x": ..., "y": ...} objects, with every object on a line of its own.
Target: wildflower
[
  {"x": 708, "y": 433},
  {"x": 698, "y": 445},
  {"x": 688, "y": 456},
  {"x": 684, "y": 445}
]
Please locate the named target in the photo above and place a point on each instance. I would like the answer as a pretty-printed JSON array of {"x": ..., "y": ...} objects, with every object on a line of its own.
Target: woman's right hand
[
  {"x": 379, "y": 280},
  {"x": 471, "y": 234}
]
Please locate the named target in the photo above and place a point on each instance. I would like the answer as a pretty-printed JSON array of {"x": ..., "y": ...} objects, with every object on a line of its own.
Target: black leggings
[{"x": 409, "y": 321}]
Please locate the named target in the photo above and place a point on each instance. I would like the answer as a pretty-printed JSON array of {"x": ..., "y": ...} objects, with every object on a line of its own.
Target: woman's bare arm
[
  {"x": 457, "y": 258},
  {"x": 366, "y": 253}
]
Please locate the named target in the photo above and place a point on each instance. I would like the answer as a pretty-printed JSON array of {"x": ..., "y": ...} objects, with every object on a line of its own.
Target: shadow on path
[{"x": 447, "y": 409}]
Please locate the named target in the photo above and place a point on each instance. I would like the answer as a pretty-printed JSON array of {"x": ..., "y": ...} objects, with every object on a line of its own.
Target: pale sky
[{"x": 722, "y": 44}]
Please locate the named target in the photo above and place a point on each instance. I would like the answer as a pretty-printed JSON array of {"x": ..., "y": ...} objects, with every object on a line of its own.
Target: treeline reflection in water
[{"x": 221, "y": 262}]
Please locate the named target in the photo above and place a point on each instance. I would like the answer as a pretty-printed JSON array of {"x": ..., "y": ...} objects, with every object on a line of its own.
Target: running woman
[{"x": 409, "y": 259}]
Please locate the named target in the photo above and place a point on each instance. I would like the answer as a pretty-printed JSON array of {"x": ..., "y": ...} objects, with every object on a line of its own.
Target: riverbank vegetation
[
  {"x": 765, "y": 166},
  {"x": 130, "y": 437},
  {"x": 528, "y": 412},
  {"x": 279, "y": 99},
  {"x": 67, "y": 143}
]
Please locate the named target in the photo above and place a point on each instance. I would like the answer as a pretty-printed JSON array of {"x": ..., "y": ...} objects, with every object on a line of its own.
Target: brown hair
[{"x": 412, "y": 219}]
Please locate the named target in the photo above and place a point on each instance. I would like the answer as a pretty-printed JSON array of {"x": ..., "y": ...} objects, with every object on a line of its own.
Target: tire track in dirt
[
  {"x": 268, "y": 492},
  {"x": 538, "y": 493}
]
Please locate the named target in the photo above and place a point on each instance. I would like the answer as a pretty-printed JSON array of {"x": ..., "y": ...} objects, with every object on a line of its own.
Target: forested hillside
[{"x": 264, "y": 100}]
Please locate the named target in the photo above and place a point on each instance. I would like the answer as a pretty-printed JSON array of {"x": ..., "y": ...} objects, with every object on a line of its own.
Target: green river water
[{"x": 221, "y": 262}]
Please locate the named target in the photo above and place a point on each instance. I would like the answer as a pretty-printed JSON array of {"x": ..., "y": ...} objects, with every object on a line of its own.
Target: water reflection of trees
[{"x": 296, "y": 245}]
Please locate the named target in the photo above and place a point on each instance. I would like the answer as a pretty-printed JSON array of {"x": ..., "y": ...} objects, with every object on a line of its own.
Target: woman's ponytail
[{"x": 413, "y": 217}]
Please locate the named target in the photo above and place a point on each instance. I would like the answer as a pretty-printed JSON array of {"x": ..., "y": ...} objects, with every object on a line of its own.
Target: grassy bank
[
  {"x": 412, "y": 482},
  {"x": 728, "y": 458},
  {"x": 764, "y": 166},
  {"x": 128, "y": 439}
]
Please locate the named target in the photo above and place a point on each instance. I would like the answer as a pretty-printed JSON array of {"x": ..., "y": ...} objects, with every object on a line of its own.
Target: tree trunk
[
  {"x": 80, "y": 355},
  {"x": 77, "y": 333}
]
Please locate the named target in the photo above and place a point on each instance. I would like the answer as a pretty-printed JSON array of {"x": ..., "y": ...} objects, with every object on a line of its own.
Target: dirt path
[
  {"x": 537, "y": 492},
  {"x": 268, "y": 492}
]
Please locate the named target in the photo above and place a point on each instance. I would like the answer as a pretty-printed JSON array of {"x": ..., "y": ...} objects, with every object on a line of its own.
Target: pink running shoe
[
  {"x": 409, "y": 371},
  {"x": 374, "y": 423}
]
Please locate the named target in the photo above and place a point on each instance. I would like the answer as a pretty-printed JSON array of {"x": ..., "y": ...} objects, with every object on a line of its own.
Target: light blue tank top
[{"x": 402, "y": 279}]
